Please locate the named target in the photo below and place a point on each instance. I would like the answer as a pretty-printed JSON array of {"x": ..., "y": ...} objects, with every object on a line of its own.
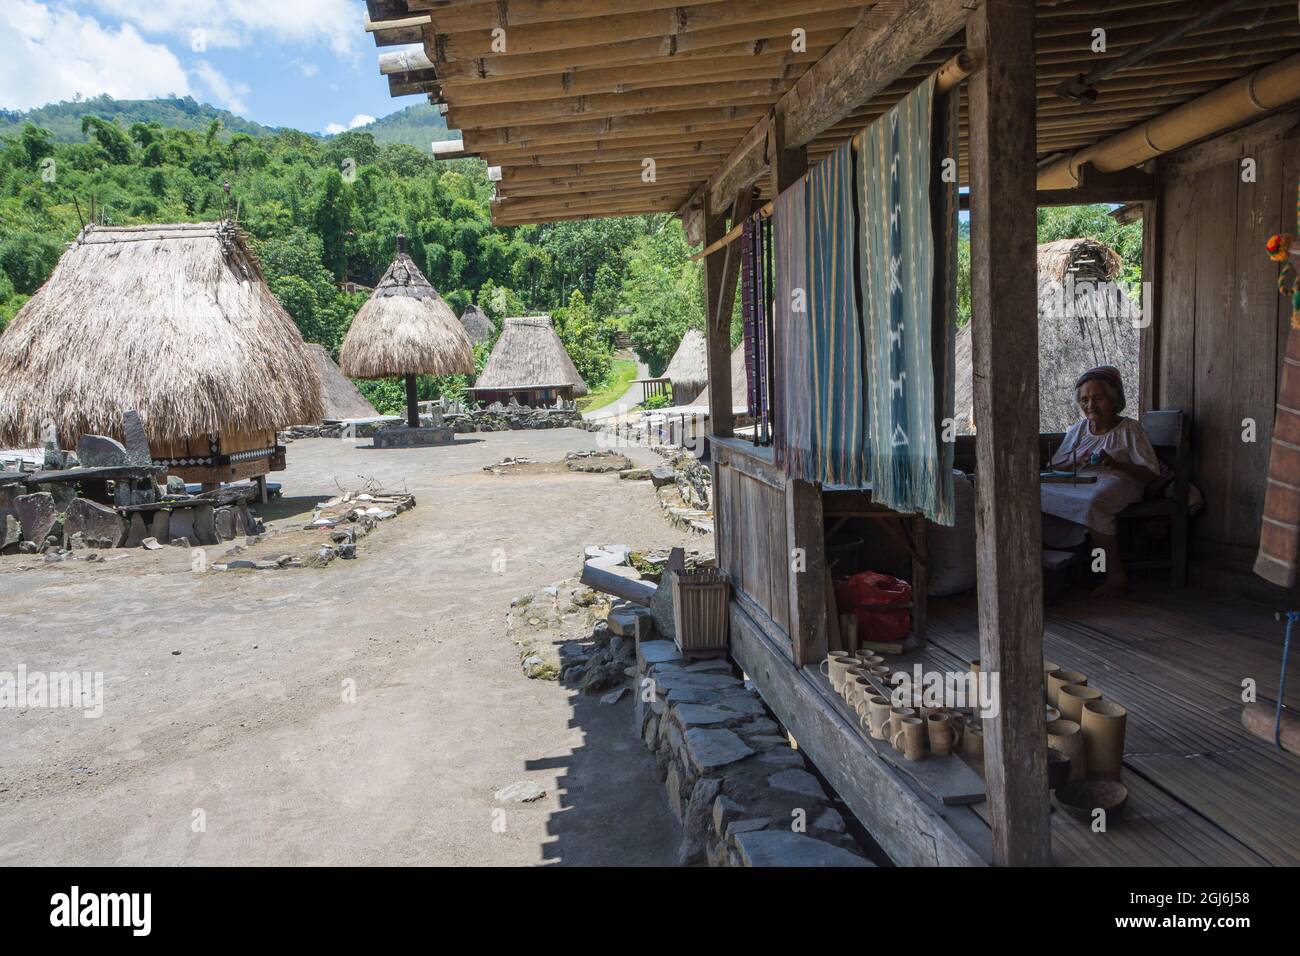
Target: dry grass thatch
[
  {"x": 1078, "y": 327},
  {"x": 173, "y": 321},
  {"x": 529, "y": 355},
  {"x": 341, "y": 397},
  {"x": 405, "y": 328},
  {"x": 739, "y": 382},
  {"x": 688, "y": 369},
  {"x": 477, "y": 325}
]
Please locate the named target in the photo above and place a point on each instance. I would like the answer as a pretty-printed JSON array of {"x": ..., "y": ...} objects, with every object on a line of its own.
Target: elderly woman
[{"x": 1117, "y": 452}]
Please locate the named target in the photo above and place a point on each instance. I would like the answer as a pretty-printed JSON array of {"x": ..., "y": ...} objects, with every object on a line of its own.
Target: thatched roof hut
[
  {"x": 405, "y": 329},
  {"x": 529, "y": 364},
  {"x": 739, "y": 383},
  {"x": 477, "y": 324},
  {"x": 688, "y": 369},
  {"x": 173, "y": 321},
  {"x": 1084, "y": 319},
  {"x": 342, "y": 398}
]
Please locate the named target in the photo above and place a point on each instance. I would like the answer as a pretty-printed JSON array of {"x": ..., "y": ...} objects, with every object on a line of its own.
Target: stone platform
[{"x": 407, "y": 437}]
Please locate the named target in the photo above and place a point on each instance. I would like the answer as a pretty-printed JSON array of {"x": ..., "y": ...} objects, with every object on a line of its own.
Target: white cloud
[
  {"x": 308, "y": 70},
  {"x": 361, "y": 119},
  {"x": 232, "y": 23},
  {"x": 51, "y": 54},
  {"x": 221, "y": 90}
]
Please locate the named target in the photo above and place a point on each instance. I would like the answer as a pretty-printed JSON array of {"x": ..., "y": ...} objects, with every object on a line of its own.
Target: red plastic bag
[{"x": 866, "y": 595}]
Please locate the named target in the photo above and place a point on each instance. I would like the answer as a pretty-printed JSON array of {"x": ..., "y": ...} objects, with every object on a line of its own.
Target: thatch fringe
[
  {"x": 529, "y": 355},
  {"x": 739, "y": 382},
  {"x": 405, "y": 328},
  {"x": 688, "y": 369},
  {"x": 173, "y": 321}
]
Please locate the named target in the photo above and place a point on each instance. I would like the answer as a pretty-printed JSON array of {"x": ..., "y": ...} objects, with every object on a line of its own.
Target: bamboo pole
[{"x": 1261, "y": 91}]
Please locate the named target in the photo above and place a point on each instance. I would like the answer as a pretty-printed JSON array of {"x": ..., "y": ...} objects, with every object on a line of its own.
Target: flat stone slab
[
  {"x": 413, "y": 437},
  {"x": 673, "y": 680},
  {"x": 711, "y": 749},
  {"x": 100, "y": 451},
  {"x": 797, "y": 781},
  {"x": 784, "y": 848},
  {"x": 626, "y": 622},
  {"x": 523, "y": 791},
  {"x": 702, "y": 715},
  {"x": 658, "y": 652}
]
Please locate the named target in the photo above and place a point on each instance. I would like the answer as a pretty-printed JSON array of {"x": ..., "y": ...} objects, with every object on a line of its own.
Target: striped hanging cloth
[
  {"x": 907, "y": 251},
  {"x": 751, "y": 312},
  {"x": 836, "y": 344},
  {"x": 793, "y": 375}
]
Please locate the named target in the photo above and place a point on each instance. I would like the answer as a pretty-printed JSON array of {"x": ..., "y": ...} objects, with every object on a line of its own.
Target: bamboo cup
[
  {"x": 856, "y": 688},
  {"x": 1073, "y": 697},
  {"x": 1058, "y": 679},
  {"x": 1048, "y": 667},
  {"x": 1066, "y": 736},
  {"x": 878, "y": 713},
  {"x": 1103, "y": 727},
  {"x": 941, "y": 732},
  {"x": 972, "y": 742},
  {"x": 836, "y": 666},
  {"x": 910, "y": 738},
  {"x": 896, "y": 717}
]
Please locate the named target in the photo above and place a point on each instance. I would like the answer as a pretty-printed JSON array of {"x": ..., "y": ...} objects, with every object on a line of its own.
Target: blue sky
[{"x": 303, "y": 63}]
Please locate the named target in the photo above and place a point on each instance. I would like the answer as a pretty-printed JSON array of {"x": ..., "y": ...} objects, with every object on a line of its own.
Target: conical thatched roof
[
  {"x": 405, "y": 328},
  {"x": 1079, "y": 326},
  {"x": 739, "y": 382},
  {"x": 688, "y": 369},
  {"x": 173, "y": 321},
  {"x": 342, "y": 399},
  {"x": 477, "y": 324},
  {"x": 529, "y": 355}
]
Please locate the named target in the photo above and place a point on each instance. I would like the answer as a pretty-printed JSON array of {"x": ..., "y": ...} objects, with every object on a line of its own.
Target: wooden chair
[{"x": 1169, "y": 432}]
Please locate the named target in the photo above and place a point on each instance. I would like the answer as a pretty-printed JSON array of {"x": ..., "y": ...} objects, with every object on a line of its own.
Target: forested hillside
[{"x": 325, "y": 211}]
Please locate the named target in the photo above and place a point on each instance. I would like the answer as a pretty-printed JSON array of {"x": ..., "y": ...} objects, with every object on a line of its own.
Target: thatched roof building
[
  {"x": 405, "y": 329},
  {"x": 1084, "y": 319},
  {"x": 739, "y": 384},
  {"x": 173, "y": 321},
  {"x": 688, "y": 369},
  {"x": 477, "y": 324},
  {"x": 341, "y": 397},
  {"x": 529, "y": 364}
]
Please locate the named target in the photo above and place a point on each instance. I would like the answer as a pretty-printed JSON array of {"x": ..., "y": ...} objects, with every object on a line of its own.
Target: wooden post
[
  {"x": 720, "y": 275},
  {"x": 1149, "y": 336},
  {"x": 412, "y": 403},
  {"x": 1004, "y": 325}
]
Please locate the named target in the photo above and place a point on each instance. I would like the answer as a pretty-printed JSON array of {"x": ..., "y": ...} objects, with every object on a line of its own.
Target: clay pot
[
  {"x": 1059, "y": 678},
  {"x": 1072, "y": 697},
  {"x": 1103, "y": 727},
  {"x": 1080, "y": 798},
  {"x": 1065, "y": 736},
  {"x": 910, "y": 738}
]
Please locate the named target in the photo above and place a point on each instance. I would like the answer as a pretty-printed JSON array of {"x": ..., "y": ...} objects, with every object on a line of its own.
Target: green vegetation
[
  {"x": 63, "y": 120},
  {"x": 322, "y": 212},
  {"x": 662, "y": 400},
  {"x": 417, "y": 126},
  {"x": 620, "y": 379}
]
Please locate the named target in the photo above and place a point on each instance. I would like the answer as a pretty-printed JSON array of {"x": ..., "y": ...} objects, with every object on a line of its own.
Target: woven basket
[{"x": 700, "y": 610}]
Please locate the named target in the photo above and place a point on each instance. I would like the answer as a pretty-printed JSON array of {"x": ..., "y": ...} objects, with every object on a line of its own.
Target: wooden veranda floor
[{"x": 1202, "y": 789}]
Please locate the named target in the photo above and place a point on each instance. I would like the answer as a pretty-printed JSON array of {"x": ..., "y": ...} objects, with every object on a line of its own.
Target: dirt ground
[{"x": 226, "y": 737}]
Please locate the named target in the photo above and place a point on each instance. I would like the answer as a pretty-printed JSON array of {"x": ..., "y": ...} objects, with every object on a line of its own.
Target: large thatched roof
[
  {"x": 477, "y": 324},
  {"x": 342, "y": 399},
  {"x": 173, "y": 321},
  {"x": 688, "y": 369},
  {"x": 405, "y": 328},
  {"x": 1078, "y": 327},
  {"x": 739, "y": 382},
  {"x": 529, "y": 355}
]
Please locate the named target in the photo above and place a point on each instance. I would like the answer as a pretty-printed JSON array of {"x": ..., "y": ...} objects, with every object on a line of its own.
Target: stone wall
[{"x": 742, "y": 794}]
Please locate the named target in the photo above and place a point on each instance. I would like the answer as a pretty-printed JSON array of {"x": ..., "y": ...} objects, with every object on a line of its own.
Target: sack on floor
[{"x": 868, "y": 595}]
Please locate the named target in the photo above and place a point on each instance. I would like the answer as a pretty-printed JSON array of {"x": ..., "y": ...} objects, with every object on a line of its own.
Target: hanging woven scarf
[
  {"x": 909, "y": 301},
  {"x": 750, "y": 301},
  {"x": 793, "y": 374},
  {"x": 839, "y": 413}
]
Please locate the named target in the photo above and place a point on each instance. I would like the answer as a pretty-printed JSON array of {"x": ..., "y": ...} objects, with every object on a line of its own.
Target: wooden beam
[
  {"x": 1004, "y": 326},
  {"x": 720, "y": 277},
  {"x": 686, "y": 123},
  {"x": 870, "y": 57}
]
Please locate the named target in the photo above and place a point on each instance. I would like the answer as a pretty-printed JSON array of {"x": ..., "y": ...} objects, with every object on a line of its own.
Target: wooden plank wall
[
  {"x": 751, "y": 540},
  {"x": 1223, "y": 325}
]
